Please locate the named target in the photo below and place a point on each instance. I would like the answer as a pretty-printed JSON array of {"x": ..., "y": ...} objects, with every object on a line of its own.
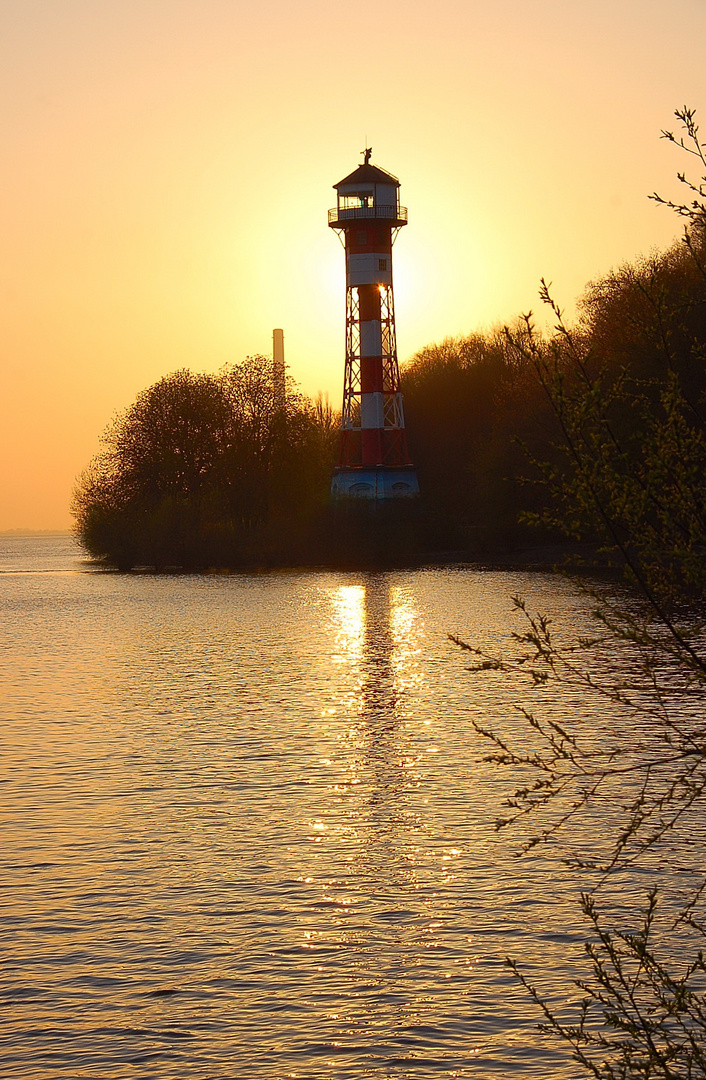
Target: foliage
[
  {"x": 637, "y": 1018},
  {"x": 471, "y": 404},
  {"x": 694, "y": 210},
  {"x": 627, "y": 389},
  {"x": 647, "y": 758},
  {"x": 632, "y": 466},
  {"x": 208, "y": 470}
]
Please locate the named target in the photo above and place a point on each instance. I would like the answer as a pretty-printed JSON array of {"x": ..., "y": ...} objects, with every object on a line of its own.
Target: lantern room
[{"x": 368, "y": 193}]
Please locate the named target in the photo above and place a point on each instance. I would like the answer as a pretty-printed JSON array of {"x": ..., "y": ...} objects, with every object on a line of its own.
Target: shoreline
[{"x": 578, "y": 560}]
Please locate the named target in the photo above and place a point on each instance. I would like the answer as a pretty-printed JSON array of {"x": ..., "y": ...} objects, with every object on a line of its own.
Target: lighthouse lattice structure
[{"x": 374, "y": 461}]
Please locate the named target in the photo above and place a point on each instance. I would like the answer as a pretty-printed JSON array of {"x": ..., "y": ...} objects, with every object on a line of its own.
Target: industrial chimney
[{"x": 278, "y": 380}]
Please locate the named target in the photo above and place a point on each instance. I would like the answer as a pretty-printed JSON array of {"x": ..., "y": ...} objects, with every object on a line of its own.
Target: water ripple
[{"x": 247, "y": 834}]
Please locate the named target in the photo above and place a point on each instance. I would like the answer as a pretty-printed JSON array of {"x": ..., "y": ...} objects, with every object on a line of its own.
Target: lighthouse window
[
  {"x": 382, "y": 264},
  {"x": 362, "y": 235},
  {"x": 357, "y": 201}
]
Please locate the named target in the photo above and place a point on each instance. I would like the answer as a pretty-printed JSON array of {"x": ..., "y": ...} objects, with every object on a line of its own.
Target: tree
[
  {"x": 471, "y": 404},
  {"x": 144, "y": 498},
  {"x": 628, "y": 391},
  {"x": 208, "y": 470}
]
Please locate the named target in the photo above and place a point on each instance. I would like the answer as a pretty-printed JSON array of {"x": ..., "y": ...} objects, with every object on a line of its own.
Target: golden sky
[{"x": 168, "y": 168}]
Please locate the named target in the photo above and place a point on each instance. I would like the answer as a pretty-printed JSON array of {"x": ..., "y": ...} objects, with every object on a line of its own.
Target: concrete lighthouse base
[{"x": 383, "y": 483}]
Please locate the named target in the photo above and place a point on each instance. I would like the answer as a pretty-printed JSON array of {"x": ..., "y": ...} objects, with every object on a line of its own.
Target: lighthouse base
[{"x": 384, "y": 483}]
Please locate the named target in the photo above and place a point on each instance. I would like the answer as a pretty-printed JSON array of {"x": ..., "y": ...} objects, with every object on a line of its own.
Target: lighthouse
[{"x": 374, "y": 462}]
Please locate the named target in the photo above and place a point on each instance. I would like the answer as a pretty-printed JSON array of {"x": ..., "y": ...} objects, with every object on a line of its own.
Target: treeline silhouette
[
  {"x": 210, "y": 471},
  {"x": 487, "y": 414},
  {"x": 476, "y": 416},
  {"x": 214, "y": 471}
]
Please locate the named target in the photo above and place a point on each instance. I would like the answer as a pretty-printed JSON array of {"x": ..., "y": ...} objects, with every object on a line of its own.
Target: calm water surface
[{"x": 246, "y": 833}]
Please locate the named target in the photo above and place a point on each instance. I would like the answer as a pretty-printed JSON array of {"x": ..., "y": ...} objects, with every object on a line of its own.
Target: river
[{"x": 247, "y": 833}]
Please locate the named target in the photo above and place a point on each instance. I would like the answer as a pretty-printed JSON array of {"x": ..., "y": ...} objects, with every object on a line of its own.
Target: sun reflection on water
[
  {"x": 376, "y": 633},
  {"x": 376, "y": 636},
  {"x": 348, "y": 603}
]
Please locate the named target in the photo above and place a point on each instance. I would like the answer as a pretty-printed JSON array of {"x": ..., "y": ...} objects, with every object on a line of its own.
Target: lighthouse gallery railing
[{"x": 356, "y": 213}]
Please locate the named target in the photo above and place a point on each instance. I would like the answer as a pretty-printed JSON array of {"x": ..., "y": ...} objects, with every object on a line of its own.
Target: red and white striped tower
[{"x": 374, "y": 462}]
